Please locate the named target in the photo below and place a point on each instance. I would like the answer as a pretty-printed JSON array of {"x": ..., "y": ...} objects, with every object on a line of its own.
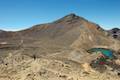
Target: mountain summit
[
  {"x": 70, "y": 18},
  {"x": 70, "y": 31}
]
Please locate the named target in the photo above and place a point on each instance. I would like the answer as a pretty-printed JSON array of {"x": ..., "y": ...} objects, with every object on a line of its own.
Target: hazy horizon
[{"x": 21, "y": 14}]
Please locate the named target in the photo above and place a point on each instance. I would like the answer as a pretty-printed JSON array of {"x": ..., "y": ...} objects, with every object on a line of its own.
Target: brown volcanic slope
[
  {"x": 61, "y": 47},
  {"x": 69, "y": 32}
]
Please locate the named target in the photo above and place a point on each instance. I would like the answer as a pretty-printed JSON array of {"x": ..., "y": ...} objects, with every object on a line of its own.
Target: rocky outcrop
[{"x": 115, "y": 33}]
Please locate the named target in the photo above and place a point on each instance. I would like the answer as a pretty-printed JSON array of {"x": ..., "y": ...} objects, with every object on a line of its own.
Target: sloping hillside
[{"x": 69, "y": 32}]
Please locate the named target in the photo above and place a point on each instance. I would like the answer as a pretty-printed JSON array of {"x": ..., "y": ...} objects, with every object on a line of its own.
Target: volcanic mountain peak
[{"x": 70, "y": 18}]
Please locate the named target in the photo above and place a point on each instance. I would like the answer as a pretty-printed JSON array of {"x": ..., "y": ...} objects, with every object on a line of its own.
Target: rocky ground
[{"x": 22, "y": 67}]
